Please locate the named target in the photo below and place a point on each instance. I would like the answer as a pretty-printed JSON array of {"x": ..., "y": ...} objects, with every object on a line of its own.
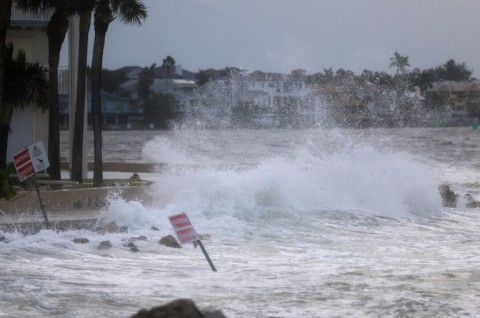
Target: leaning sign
[
  {"x": 186, "y": 233},
  {"x": 32, "y": 159},
  {"x": 183, "y": 228}
]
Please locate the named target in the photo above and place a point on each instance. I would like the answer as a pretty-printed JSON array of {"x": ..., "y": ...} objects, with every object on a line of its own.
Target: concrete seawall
[{"x": 66, "y": 209}]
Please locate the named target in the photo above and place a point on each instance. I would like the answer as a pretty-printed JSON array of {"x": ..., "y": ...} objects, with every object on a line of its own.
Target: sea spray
[{"x": 348, "y": 175}]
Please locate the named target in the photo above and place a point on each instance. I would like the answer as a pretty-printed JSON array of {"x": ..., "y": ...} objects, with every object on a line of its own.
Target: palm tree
[
  {"x": 84, "y": 9},
  {"x": 5, "y": 11},
  {"x": 168, "y": 64},
  {"x": 131, "y": 12},
  {"x": 56, "y": 30},
  {"x": 399, "y": 62},
  {"x": 24, "y": 83}
]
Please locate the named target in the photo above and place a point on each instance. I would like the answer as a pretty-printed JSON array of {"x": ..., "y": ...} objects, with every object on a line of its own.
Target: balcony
[{"x": 20, "y": 18}]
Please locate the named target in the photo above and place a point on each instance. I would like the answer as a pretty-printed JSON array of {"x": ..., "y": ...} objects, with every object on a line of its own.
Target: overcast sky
[{"x": 282, "y": 35}]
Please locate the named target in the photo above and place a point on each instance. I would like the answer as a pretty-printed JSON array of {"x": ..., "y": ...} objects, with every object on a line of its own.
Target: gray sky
[{"x": 281, "y": 35}]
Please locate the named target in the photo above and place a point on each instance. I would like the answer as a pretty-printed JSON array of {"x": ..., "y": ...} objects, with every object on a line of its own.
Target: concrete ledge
[
  {"x": 31, "y": 227},
  {"x": 66, "y": 209},
  {"x": 72, "y": 200}
]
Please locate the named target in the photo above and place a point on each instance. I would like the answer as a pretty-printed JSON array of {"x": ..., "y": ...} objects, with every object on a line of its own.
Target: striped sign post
[
  {"x": 186, "y": 233},
  {"x": 28, "y": 162}
]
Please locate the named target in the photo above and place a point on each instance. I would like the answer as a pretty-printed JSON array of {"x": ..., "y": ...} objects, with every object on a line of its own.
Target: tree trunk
[
  {"x": 5, "y": 11},
  {"x": 4, "y": 131},
  {"x": 103, "y": 17},
  {"x": 56, "y": 30},
  {"x": 77, "y": 153}
]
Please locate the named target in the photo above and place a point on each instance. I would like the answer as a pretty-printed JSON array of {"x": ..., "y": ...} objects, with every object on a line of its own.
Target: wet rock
[
  {"x": 137, "y": 238},
  {"x": 3, "y": 239},
  {"x": 449, "y": 198},
  {"x": 135, "y": 177},
  {"x": 471, "y": 202},
  {"x": 169, "y": 241},
  {"x": 154, "y": 228},
  {"x": 213, "y": 314},
  {"x": 181, "y": 308},
  {"x": 133, "y": 247},
  {"x": 81, "y": 240},
  {"x": 111, "y": 227},
  {"x": 105, "y": 245}
]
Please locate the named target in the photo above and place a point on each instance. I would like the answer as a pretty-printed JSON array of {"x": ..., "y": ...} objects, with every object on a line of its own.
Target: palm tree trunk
[
  {"x": 5, "y": 11},
  {"x": 76, "y": 173},
  {"x": 56, "y": 31},
  {"x": 103, "y": 17}
]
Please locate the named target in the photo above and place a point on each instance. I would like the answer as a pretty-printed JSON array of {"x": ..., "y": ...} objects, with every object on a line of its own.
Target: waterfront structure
[{"x": 27, "y": 32}]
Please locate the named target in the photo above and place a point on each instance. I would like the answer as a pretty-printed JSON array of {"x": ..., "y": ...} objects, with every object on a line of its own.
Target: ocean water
[{"x": 299, "y": 223}]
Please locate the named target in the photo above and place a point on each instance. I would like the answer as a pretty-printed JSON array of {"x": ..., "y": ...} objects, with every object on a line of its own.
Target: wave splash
[{"x": 322, "y": 176}]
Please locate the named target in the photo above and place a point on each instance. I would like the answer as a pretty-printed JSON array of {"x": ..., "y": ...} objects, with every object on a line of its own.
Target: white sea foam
[{"x": 316, "y": 225}]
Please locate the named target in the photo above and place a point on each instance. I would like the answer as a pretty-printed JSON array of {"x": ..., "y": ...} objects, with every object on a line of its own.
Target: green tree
[
  {"x": 25, "y": 84},
  {"x": 399, "y": 62},
  {"x": 168, "y": 64},
  {"x": 203, "y": 76},
  {"x": 145, "y": 94},
  {"x": 111, "y": 81},
  {"x": 56, "y": 30},
  {"x": 451, "y": 71},
  {"x": 130, "y": 12}
]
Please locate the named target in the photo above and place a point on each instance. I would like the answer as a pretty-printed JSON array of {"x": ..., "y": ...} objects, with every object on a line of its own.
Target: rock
[
  {"x": 213, "y": 314},
  {"x": 169, "y": 241},
  {"x": 105, "y": 245},
  {"x": 138, "y": 238},
  {"x": 471, "y": 202},
  {"x": 449, "y": 198},
  {"x": 181, "y": 308},
  {"x": 133, "y": 247},
  {"x": 80, "y": 240},
  {"x": 135, "y": 177},
  {"x": 154, "y": 228},
  {"x": 3, "y": 239},
  {"x": 111, "y": 227}
]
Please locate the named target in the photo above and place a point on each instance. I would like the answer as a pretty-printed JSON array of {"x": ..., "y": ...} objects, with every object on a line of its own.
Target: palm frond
[{"x": 129, "y": 11}]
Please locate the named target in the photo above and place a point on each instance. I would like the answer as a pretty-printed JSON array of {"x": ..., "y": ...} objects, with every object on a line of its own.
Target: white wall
[{"x": 30, "y": 124}]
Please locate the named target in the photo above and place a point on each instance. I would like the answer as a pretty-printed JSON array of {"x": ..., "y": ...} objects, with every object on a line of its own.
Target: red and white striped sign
[
  {"x": 23, "y": 164},
  {"x": 183, "y": 228},
  {"x": 30, "y": 160}
]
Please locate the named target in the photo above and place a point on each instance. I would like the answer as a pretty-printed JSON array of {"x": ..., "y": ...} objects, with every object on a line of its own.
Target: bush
[{"x": 6, "y": 190}]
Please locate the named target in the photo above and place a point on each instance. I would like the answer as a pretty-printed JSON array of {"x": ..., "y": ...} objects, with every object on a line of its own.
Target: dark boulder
[
  {"x": 105, "y": 245},
  {"x": 471, "y": 202},
  {"x": 180, "y": 308},
  {"x": 449, "y": 198},
  {"x": 80, "y": 240},
  {"x": 169, "y": 241},
  {"x": 133, "y": 247}
]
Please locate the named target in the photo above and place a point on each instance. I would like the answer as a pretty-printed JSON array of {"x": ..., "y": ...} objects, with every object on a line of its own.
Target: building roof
[{"x": 21, "y": 18}]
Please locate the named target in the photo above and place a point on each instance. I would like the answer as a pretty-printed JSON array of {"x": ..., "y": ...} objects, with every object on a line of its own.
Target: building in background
[{"x": 27, "y": 32}]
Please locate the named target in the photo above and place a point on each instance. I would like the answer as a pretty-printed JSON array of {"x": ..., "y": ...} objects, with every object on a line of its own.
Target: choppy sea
[{"x": 299, "y": 223}]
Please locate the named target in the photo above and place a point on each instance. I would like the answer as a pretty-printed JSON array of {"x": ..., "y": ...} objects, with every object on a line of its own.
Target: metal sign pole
[
  {"x": 199, "y": 242},
  {"x": 35, "y": 183}
]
